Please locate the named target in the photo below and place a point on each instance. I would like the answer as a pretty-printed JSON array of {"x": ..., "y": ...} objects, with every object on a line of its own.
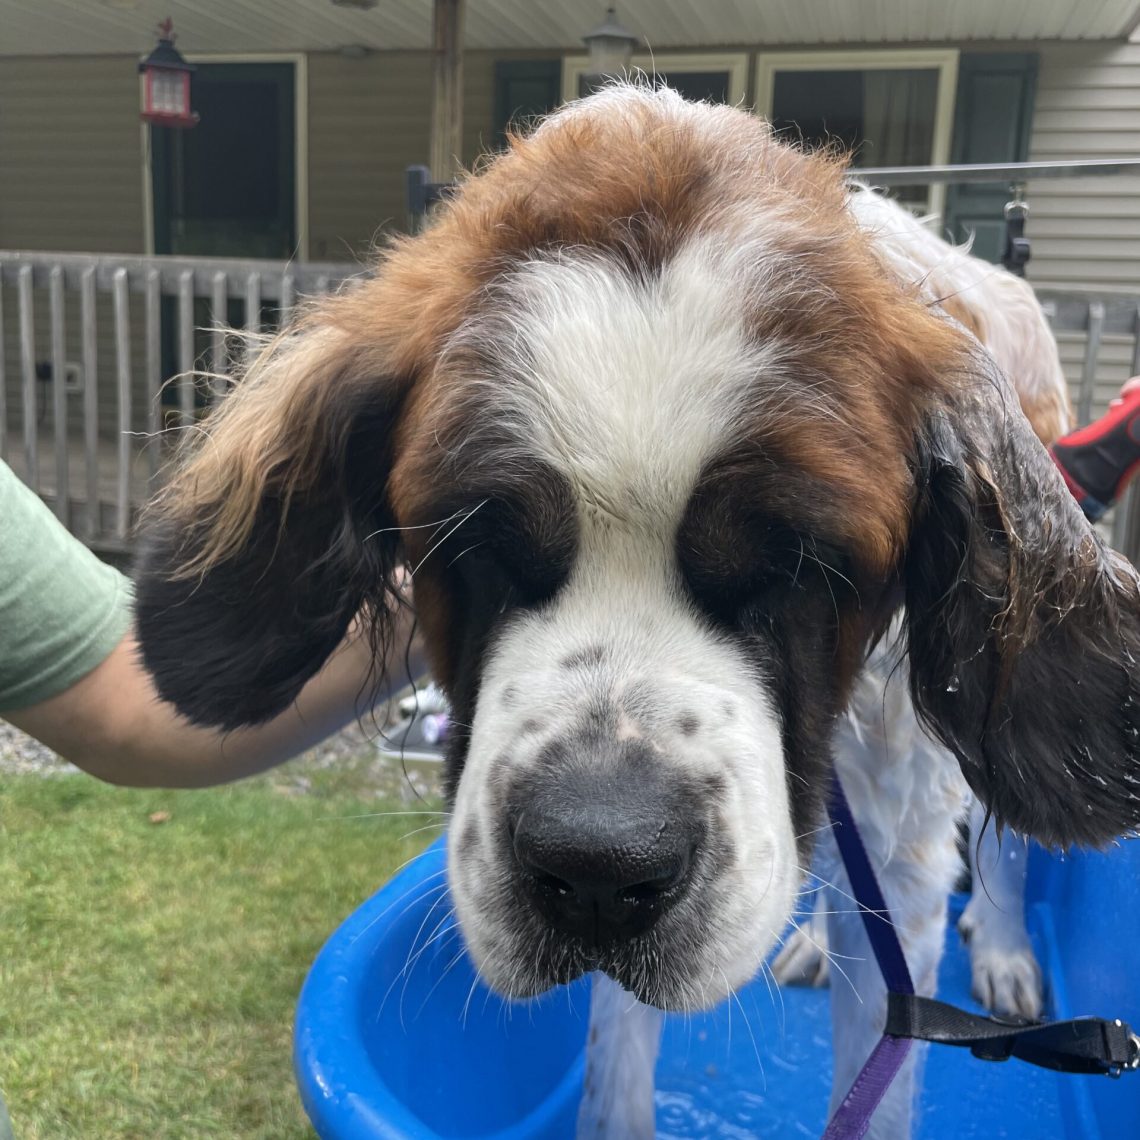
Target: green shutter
[
  {"x": 525, "y": 88},
  {"x": 992, "y": 120}
]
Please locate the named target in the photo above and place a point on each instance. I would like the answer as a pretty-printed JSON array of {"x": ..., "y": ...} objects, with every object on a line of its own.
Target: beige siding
[
  {"x": 479, "y": 97},
  {"x": 70, "y": 154},
  {"x": 479, "y": 103},
  {"x": 1086, "y": 232},
  {"x": 70, "y": 179},
  {"x": 368, "y": 120},
  {"x": 70, "y": 163}
]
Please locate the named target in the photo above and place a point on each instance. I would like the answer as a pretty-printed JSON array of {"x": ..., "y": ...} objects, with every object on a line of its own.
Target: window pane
[
  {"x": 710, "y": 86},
  {"x": 884, "y": 116}
]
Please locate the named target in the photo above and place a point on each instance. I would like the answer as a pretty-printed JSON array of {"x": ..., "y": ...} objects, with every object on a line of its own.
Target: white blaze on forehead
[{"x": 628, "y": 384}]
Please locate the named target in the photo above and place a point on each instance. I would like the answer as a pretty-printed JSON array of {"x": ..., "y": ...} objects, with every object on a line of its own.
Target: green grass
[{"x": 148, "y": 972}]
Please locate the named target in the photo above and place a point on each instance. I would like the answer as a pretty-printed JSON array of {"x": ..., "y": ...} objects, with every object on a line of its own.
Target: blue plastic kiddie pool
[{"x": 396, "y": 1038}]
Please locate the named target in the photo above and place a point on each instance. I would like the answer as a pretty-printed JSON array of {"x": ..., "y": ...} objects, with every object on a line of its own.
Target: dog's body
[
  {"x": 907, "y": 791},
  {"x": 669, "y": 422}
]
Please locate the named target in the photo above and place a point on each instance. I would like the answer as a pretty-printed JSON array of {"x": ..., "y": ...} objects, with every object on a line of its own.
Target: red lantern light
[{"x": 166, "y": 83}]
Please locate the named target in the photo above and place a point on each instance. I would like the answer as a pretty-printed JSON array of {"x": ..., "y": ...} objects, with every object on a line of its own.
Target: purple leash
[{"x": 853, "y": 1117}]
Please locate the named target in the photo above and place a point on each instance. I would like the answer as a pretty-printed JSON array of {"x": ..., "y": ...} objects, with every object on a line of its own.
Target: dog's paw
[
  {"x": 803, "y": 960},
  {"x": 1008, "y": 983},
  {"x": 1006, "y": 978}
]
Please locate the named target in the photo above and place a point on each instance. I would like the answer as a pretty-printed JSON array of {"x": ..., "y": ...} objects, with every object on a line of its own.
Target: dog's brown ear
[
  {"x": 1023, "y": 629},
  {"x": 276, "y": 530}
]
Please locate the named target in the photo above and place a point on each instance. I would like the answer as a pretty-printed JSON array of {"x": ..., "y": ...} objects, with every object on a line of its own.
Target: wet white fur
[
  {"x": 907, "y": 794},
  {"x": 1009, "y": 317},
  {"x": 1006, "y": 974},
  {"x": 906, "y": 791},
  {"x": 621, "y": 1053}
]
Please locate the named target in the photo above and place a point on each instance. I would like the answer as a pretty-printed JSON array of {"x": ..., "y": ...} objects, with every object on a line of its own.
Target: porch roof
[{"x": 87, "y": 27}]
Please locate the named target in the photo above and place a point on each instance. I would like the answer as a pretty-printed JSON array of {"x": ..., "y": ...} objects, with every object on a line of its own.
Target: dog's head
[{"x": 664, "y": 442}]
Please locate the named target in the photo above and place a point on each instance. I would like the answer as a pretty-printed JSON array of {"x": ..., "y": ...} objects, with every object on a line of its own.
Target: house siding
[
  {"x": 1086, "y": 232},
  {"x": 70, "y": 172},
  {"x": 70, "y": 179},
  {"x": 370, "y": 119}
]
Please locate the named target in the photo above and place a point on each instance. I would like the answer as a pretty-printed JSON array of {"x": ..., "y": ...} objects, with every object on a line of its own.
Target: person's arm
[{"x": 112, "y": 724}]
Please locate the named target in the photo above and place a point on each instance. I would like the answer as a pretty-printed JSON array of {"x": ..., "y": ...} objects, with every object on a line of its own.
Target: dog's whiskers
[
  {"x": 833, "y": 958},
  {"x": 466, "y": 517}
]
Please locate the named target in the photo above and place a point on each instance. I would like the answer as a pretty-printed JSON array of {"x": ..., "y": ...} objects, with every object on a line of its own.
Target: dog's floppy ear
[
  {"x": 276, "y": 531},
  {"x": 1023, "y": 629}
]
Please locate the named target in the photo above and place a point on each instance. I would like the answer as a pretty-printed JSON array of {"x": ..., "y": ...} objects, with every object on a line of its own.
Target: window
[
  {"x": 524, "y": 89},
  {"x": 891, "y": 108},
  {"x": 720, "y": 77}
]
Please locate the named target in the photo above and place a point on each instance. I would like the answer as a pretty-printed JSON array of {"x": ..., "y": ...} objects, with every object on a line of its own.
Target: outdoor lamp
[
  {"x": 166, "y": 86},
  {"x": 611, "y": 51}
]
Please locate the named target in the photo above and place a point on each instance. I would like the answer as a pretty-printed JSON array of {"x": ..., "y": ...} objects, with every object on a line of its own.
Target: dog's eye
[
  {"x": 756, "y": 562},
  {"x": 502, "y": 550}
]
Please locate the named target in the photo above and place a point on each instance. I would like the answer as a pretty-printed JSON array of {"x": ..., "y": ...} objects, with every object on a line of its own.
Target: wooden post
[{"x": 447, "y": 89}]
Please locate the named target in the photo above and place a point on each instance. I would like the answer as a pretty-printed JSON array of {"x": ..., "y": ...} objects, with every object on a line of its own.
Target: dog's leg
[
  {"x": 621, "y": 1055},
  {"x": 906, "y": 794},
  {"x": 858, "y": 993},
  {"x": 1006, "y": 976}
]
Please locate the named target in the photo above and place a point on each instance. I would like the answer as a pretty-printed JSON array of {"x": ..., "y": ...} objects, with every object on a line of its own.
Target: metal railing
[
  {"x": 1093, "y": 316},
  {"x": 985, "y": 172},
  {"x": 187, "y": 305}
]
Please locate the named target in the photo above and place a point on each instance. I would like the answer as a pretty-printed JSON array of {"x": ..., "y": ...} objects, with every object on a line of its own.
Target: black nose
[{"x": 604, "y": 849}]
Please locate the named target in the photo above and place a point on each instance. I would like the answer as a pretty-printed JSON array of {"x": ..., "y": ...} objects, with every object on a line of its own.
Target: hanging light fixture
[
  {"x": 166, "y": 83},
  {"x": 611, "y": 51}
]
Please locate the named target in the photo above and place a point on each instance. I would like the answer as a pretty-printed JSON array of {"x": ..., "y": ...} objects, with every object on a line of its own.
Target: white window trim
[
  {"x": 944, "y": 60},
  {"x": 300, "y": 62},
  {"x": 735, "y": 63}
]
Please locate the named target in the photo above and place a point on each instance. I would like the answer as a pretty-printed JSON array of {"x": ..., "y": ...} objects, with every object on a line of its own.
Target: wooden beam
[{"x": 447, "y": 89}]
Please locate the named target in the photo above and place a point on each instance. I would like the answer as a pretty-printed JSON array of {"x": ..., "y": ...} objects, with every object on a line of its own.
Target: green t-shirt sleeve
[{"x": 62, "y": 611}]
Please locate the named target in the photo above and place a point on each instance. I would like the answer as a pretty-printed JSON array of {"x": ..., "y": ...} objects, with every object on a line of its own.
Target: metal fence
[
  {"x": 138, "y": 329},
  {"x": 1095, "y": 317}
]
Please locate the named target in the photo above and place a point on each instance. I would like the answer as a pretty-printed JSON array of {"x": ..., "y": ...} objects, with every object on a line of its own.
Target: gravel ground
[
  {"x": 21, "y": 755},
  {"x": 355, "y": 748}
]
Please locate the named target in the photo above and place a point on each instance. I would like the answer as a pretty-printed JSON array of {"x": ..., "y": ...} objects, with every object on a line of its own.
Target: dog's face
[
  {"x": 640, "y": 644},
  {"x": 664, "y": 442}
]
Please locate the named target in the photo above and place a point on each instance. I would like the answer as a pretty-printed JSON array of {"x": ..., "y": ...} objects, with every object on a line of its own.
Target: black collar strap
[{"x": 1080, "y": 1045}]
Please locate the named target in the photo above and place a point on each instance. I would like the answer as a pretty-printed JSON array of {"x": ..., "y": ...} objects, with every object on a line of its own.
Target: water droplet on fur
[
  {"x": 1088, "y": 809},
  {"x": 953, "y": 685}
]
